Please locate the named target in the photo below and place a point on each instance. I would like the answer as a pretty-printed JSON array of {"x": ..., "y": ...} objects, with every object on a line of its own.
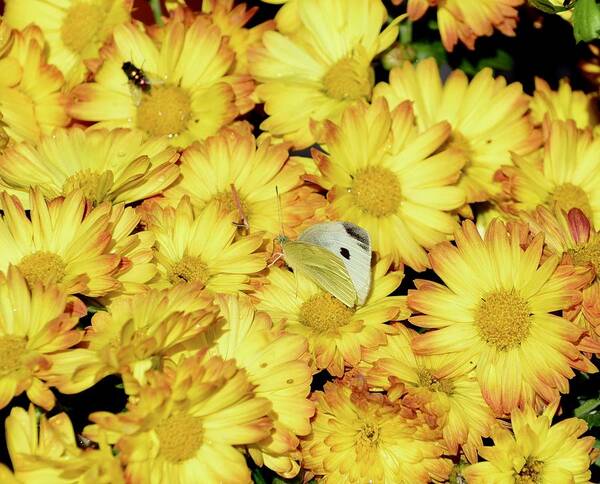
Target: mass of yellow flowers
[{"x": 150, "y": 328}]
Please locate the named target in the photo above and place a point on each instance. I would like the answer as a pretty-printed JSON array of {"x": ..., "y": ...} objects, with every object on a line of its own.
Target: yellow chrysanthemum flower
[
  {"x": 96, "y": 252},
  {"x": 465, "y": 20},
  {"x": 44, "y": 450},
  {"x": 322, "y": 67},
  {"x": 571, "y": 236},
  {"x": 135, "y": 334},
  {"x": 567, "y": 176},
  {"x": 113, "y": 165},
  {"x": 69, "y": 244},
  {"x": 75, "y": 30},
  {"x": 361, "y": 437},
  {"x": 191, "y": 95},
  {"x": 485, "y": 132},
  {"x": 276, "y": 363},
  {"x": 535, "y": 451},
  {"x": 336, "y": 334},
  {"x": 231, "y": 18},
  {"x": 234, "y": 167},
  {"x": 563, "y": 104},
  {"x": 394, "y": 181},
  {"x": 567, "y": 234},
  {"x": 446, "y": 386},
  {"x": 186, "y": 422},
  {"x": 34, "y": 324},
  {"x": 31, "y": 98},
  {"x": 201, "y": 246},
  {"x": 496, "y": 312}
]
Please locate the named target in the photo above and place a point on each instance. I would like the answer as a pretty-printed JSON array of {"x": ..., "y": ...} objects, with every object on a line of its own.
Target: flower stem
[{"x": 156, "y": 11}]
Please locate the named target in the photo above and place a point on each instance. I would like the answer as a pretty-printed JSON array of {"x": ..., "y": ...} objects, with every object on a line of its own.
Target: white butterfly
[{"x": 336, "y": 256}]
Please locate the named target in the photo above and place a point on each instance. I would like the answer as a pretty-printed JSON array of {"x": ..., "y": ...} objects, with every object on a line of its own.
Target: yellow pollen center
[
  {"x": 227, "y": 203},
  {"x": 376, "y": 191},
  {"x": 95, "y": 186},
  {"x": 588, "y": 254},
  {"x": 81, "y": 25},
  {"x": 348, "y": 79},
  {"x": 568, "y": 196},
  {"x": 165, "y": 110},
  {"x": 503, "y": 319},
  {"x": 530, "y": 473},
  {"x": 427, "y": 380},
  {"x": 189, "y": 269},
  {"x": 323, "y": 312},
  {"x": 367, "y": 438},
  {"x": 12, "y": 349},
  {"x": 42, "y": 267},
  {"x": 180, "y": 437}
]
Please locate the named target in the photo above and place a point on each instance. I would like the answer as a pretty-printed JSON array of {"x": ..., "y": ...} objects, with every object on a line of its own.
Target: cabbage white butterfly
[{"x": 336, "y": 256}]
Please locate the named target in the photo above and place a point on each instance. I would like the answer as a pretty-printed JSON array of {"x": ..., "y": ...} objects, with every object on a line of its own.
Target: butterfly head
[{"x": 282, "y": 239}]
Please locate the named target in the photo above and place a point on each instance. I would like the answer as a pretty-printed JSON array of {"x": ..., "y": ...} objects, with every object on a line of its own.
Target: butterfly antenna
[{"x": 279, "y": 211}]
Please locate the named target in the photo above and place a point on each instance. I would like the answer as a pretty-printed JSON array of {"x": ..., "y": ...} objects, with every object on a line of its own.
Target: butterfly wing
[
  {"x": 322, "y": 267},
  {"x": 351, "y": 244}
]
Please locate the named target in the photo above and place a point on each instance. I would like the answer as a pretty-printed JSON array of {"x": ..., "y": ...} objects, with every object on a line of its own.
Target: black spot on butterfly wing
[
  {"x": 357, "y": 234},
  {"x": 345, "y": 253},
  {"x": 136, "y": 76}
]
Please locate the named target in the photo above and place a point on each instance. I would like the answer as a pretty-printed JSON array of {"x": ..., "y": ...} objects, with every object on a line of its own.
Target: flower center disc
[
  {"x": 228, "y": 204},
  {"x": 189, "y": 269},
  {"x": 530, "y": 473},
  {"x": 42, "y": 267},
  {"x": 80, "y": 26},
  {"x": 503, "y": 319},
  {"x": 368, "y": 436},
  {"x": 164, "y": 111},
  {"x": 588, "y": 254},
  {"x": 180, "y": 437},
  {"x": 323, "y": 312},
  {"x": 427, "y": 380},
  {"x": 348, "y": 79},
  {"x": 95, "y": 186},
  {"x": 568, "y": 196},
  {"x": 376, "y": 191}
]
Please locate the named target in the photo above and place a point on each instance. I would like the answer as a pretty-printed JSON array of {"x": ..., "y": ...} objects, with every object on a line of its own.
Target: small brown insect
[{"x": 243, "y": 223}]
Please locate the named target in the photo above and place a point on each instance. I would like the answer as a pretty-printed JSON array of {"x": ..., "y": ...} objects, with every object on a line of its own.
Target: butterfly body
[{"x": 336, "y": 256}]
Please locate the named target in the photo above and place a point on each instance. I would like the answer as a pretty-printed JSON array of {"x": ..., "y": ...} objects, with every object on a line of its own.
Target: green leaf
[
  {"x": 257, "y": 477},
  {"x": 501, "y": 61},
  {"x": 586, "y": 20},
  {"x": 593, "y": 420},
  {"x": 405, "y": 32},
  {"x": 432, "y": 25},
  {"x": 548, "y": 7},
  {"x": 430, "y": 49},
  {"x": 587, "y": 407},
  {"x": 156, "y": 12}
]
